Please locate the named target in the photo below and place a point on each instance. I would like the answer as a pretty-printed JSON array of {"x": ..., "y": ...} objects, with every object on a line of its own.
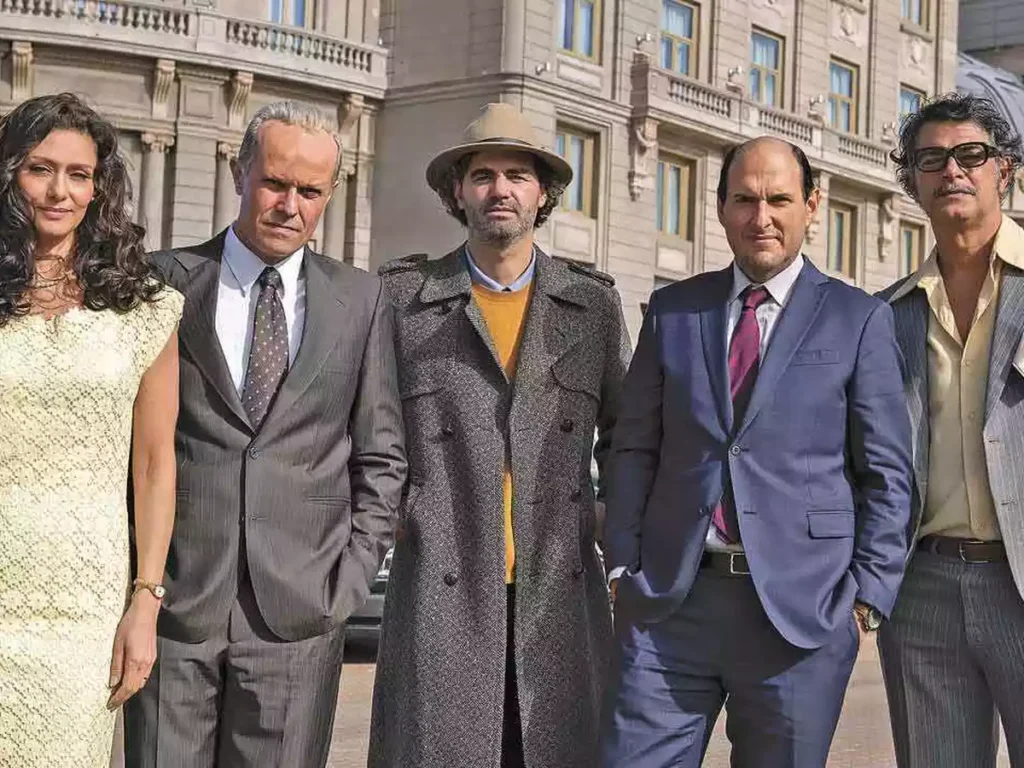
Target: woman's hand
[{"x": 134, "y": 649}]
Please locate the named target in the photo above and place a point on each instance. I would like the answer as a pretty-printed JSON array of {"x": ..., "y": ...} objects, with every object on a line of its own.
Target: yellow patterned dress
[{"x": 67, "y": 388}]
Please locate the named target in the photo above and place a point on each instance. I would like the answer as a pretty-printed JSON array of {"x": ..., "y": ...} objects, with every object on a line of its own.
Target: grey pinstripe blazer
[
  {"x": 1004, "y": 405},
  {"x": 312, "y": 496}
]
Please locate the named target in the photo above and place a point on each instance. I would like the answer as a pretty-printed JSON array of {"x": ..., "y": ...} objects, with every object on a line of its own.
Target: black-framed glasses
[{"x": 969, "y": 155}]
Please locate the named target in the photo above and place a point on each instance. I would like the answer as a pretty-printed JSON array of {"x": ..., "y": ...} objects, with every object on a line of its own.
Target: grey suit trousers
[
  {"x": 952, "y": 655},
  {"x": 243, "y": 698}
]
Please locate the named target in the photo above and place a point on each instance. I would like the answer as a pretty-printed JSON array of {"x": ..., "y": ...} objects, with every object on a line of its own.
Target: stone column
[
  {"x": 154, "y": 146},
  {"x": 225, "y": 202},
  {"x": 334, "y": 221}
]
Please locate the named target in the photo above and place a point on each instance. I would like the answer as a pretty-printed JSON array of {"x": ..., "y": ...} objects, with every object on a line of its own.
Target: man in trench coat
[{"x": 497, "y": 634}]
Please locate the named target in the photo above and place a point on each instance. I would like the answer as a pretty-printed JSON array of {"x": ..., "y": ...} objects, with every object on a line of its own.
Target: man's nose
[
  {"x": 289, "y": 202},
  {"x": 761, "y": 216},
  {"x": 501, "y": 185}
]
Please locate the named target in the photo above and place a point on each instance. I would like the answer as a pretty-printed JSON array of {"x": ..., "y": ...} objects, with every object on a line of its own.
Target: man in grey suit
[
  {"x": 952, "y": 652},
  {"x": 290, "y": 468}
]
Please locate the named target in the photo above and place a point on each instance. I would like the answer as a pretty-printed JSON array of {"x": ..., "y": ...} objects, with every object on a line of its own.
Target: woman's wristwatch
[
  {"x": 869, "y": 617},
  {"x": 157, "y": 590}
]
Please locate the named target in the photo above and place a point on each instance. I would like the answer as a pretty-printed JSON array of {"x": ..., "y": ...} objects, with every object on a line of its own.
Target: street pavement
[{"x": 862, "y": 740}]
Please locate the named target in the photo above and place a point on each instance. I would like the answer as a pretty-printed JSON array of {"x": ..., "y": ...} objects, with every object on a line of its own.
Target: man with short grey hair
[{"x": 291, "y": 464}]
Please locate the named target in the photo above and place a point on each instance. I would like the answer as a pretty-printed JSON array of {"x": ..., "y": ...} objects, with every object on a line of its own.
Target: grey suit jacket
[
  {"x": 313, "y": 495},
  {"x": 1004, "y": 406}
]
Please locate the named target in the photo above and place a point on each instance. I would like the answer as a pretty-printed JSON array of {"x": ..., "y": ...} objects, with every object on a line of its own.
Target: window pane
[
  {"x": 586, "y": 27},
  {"x": 916, "y": 8},
  {"x": 684, "y": 58},
  {"x": 566, "y": 20},
  {"x": 575, "y": 191},
  {"x": 666, "y": 52},
  {"x": 842, "y": 80},
  {"x": 832, "y": 112},
  {"x": 769, "y": 90},
  {"x": 677, "y": 19},
  {"x": 845, "y": 116},
  {"x": 277, "y": 11},
  {"x": 905, "y": 9},
  {"x": 836, "y": 226},
  {"x": 755, "y": 85},
  {"x": 908, "y": 250},
  {"x": 299, "y": 13},
  {"x": 560, "y": 144},
  {"x": 765, "y": 51},
  {"x": 660, "y": 198},
  {"x": 673, "y": 199},
  {"x": 910, "y": 102}
]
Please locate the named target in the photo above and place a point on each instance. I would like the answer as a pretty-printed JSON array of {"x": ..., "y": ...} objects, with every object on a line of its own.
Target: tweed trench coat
[{"x": 439, "y": 695}]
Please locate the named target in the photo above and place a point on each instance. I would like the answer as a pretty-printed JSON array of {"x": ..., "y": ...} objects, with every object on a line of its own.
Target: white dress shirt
[
  {"x": 237, "y": 293},
  {"x": 779, "y": 288}
]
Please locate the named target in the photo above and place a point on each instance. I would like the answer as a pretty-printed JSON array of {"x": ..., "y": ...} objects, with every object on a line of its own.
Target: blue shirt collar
[{"x": 479, "y": 278}]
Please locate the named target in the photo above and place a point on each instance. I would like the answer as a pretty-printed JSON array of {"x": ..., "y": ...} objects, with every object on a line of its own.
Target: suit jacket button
[
  {"x": 735, "y": 450},
  {"x": 451, "y": 579},
  {"x": 254, "y": 454},
  {"x": 567, "y": 425},
  {"x": 576, "y": 495}
]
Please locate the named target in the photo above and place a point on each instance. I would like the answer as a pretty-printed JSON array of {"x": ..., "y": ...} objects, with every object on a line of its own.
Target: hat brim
[{"x": 440, "y": 164}]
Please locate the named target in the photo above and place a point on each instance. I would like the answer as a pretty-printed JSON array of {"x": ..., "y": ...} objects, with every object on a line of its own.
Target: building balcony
[
  {"x": 726, "y": 117},
  {"x": 199, "y": 36}
]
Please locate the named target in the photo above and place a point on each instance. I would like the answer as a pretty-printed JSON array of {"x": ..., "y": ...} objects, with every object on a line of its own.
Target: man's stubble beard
[{"x": 500, "y": 232}]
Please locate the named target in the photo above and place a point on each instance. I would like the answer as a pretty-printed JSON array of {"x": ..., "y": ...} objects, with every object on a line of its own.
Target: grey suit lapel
[
  {"x": 197, "y": 330},
  {"x": 715, "y": 343},
  {"x": 795, "y": 321},
  {"x": 911, "y": 316},
  {"x": 1007, "y": 335},
  {"x": 452, "y": 280},
  {"x": 321, "y": 332}
]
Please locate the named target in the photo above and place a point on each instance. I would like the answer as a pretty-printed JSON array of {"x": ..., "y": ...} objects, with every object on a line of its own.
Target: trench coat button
[
  {"x": 254, "y": 454},
  {"x": 447, "y": 430},
  {"x": 451, "y": 579},
  {"x": 576, "y": 495},
  {"x": 567, "y": 425},
  {"x": 445, "y": 308}
]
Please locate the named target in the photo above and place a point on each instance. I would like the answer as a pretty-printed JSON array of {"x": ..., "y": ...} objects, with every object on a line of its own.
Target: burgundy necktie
[{"x": 744, "y": 361}]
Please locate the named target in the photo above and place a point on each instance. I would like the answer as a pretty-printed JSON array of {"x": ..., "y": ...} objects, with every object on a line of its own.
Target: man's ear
[{"x": 238, "y": 175}]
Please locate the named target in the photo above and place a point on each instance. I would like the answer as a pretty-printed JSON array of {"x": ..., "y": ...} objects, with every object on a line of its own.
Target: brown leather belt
[
  {"x": 726, "y": 563},
  {"x": 965, "y": 550}
]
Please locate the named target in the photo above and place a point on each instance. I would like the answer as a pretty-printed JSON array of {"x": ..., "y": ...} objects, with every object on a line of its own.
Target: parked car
[{"x": 364, "y": 625}]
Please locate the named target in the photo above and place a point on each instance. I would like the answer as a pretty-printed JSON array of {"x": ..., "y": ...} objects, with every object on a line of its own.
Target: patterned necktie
[
  {"x": 744, "y": 362},
  {"x": 268, "y": 352}
]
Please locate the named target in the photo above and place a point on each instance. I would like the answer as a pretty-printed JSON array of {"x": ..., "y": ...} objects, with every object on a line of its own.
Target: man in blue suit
[{"x": 759, "y": 494}]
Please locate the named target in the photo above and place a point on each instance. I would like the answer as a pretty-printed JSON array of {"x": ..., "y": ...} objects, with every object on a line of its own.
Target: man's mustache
[{"x": 945, "y": 191}]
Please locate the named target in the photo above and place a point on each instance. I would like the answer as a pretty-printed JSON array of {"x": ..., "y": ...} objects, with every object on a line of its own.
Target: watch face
[
  {"x": 874, "y": 620},
  {"x": 158, "y": 592}
]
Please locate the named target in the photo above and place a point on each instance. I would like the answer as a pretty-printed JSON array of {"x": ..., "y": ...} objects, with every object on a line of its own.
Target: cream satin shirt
[{"x": 959, "y": 501}]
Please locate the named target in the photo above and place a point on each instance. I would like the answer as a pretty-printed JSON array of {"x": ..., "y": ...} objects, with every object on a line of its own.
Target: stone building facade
[
  {"x": 180, "y": 78},
  {"x": 644, "y": 95}
]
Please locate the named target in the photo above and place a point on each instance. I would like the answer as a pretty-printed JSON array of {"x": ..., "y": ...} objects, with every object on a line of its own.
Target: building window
[
  {"x": 911, "y": 247},
  {"x": 841, "y": 242},
  {"x": 842, "y": 96},
  {"x": 915, "y": 11},
  {"x": 579, "y": 27},
  {"x": 294, "y": 13},
  {"x": 674, "y": 197},
  {"x": 678, "y": 36},
  {"x": 579, "y": 150},
  {"x": 765, "y": 68},
  {"x": 910, "y": 101}
]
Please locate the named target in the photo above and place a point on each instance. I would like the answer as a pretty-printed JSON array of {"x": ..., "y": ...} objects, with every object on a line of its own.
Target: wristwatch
[
  {"x": 157, "y": 590},
  {"x": 869, "y": 617}
]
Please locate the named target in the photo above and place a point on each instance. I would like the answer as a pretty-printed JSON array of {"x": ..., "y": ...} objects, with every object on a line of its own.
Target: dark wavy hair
[
  {"x": 955, "y": 108},
  {"x": 457, "y": 172},
  {"x": 109, "y": 261}
]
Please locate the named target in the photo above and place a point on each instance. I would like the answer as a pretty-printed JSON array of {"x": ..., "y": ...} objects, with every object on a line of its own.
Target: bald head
[{"x": 772, "y": 146}]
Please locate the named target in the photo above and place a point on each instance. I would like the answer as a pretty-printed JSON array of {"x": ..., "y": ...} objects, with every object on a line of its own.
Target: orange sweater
[{"x": 504, "y": 314}]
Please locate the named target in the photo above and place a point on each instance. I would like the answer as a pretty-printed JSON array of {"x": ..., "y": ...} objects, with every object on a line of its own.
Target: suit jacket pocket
[
  {"x": 830, "y": 524},
  {"x": 815, "y": 357}
]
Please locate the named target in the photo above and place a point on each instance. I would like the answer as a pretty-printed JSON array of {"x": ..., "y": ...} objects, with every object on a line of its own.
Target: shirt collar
[
  {"x": 477, "y": 275},
  {"x": 246, "y": 266},
  {"x": 779, "y": 287},
  {"x": 1008, "y": 248}
]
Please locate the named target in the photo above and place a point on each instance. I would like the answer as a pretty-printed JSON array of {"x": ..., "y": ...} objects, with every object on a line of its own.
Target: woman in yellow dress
[{"x": 88, "y": 379}]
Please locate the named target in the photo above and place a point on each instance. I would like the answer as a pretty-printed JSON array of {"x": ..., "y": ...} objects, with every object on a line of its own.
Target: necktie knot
[
  {"x": 754, "y": 297},
  {"x": 271, "y": 278}
]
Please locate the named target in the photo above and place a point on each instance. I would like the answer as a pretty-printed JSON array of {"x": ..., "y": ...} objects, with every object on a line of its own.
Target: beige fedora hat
[{"x": 499, "y": 127}]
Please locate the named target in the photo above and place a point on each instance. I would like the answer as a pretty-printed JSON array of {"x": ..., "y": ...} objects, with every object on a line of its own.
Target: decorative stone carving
[
  {"x": 241, "y": 86},
  {"x": 886, "y": 226},
  {"x": 889, "y": 133},
  {"x": 734, "y": 80},
  {"x": 21, "y": 70},
  {"x": 226, "y": 150},
  {"x": 816, "y": 108},
  {"x": 814, "y": 228},
  {"x": 349, "y": 112},
  {"x": 917, "y": 52},
  {"x": 156, "y": 142},
  {"x": 643, "y": 146},
  {"x": 163, "y": 77}
]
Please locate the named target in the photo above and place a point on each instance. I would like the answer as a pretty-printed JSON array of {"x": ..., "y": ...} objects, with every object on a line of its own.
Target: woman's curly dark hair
[
  {"x": 109, "y": 261},
  {"x": 955, "y": 108},
  {"x": 457, "y": 172}
]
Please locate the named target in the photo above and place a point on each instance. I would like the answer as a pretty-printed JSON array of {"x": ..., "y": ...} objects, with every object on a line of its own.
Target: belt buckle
[
  {"x": 963, "y": 557},
  {"x": 732, "y": 564}
]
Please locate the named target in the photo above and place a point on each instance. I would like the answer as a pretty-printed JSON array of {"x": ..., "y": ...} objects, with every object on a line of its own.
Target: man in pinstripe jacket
[{"x": 952, "y": 651}]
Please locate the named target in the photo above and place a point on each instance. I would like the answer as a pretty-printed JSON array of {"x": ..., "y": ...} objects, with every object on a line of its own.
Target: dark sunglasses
[{"x": 969, "y": 155}]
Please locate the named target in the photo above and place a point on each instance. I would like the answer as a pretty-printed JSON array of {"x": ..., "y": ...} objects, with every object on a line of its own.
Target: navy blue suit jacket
[{"x": 820, "y": 466}]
